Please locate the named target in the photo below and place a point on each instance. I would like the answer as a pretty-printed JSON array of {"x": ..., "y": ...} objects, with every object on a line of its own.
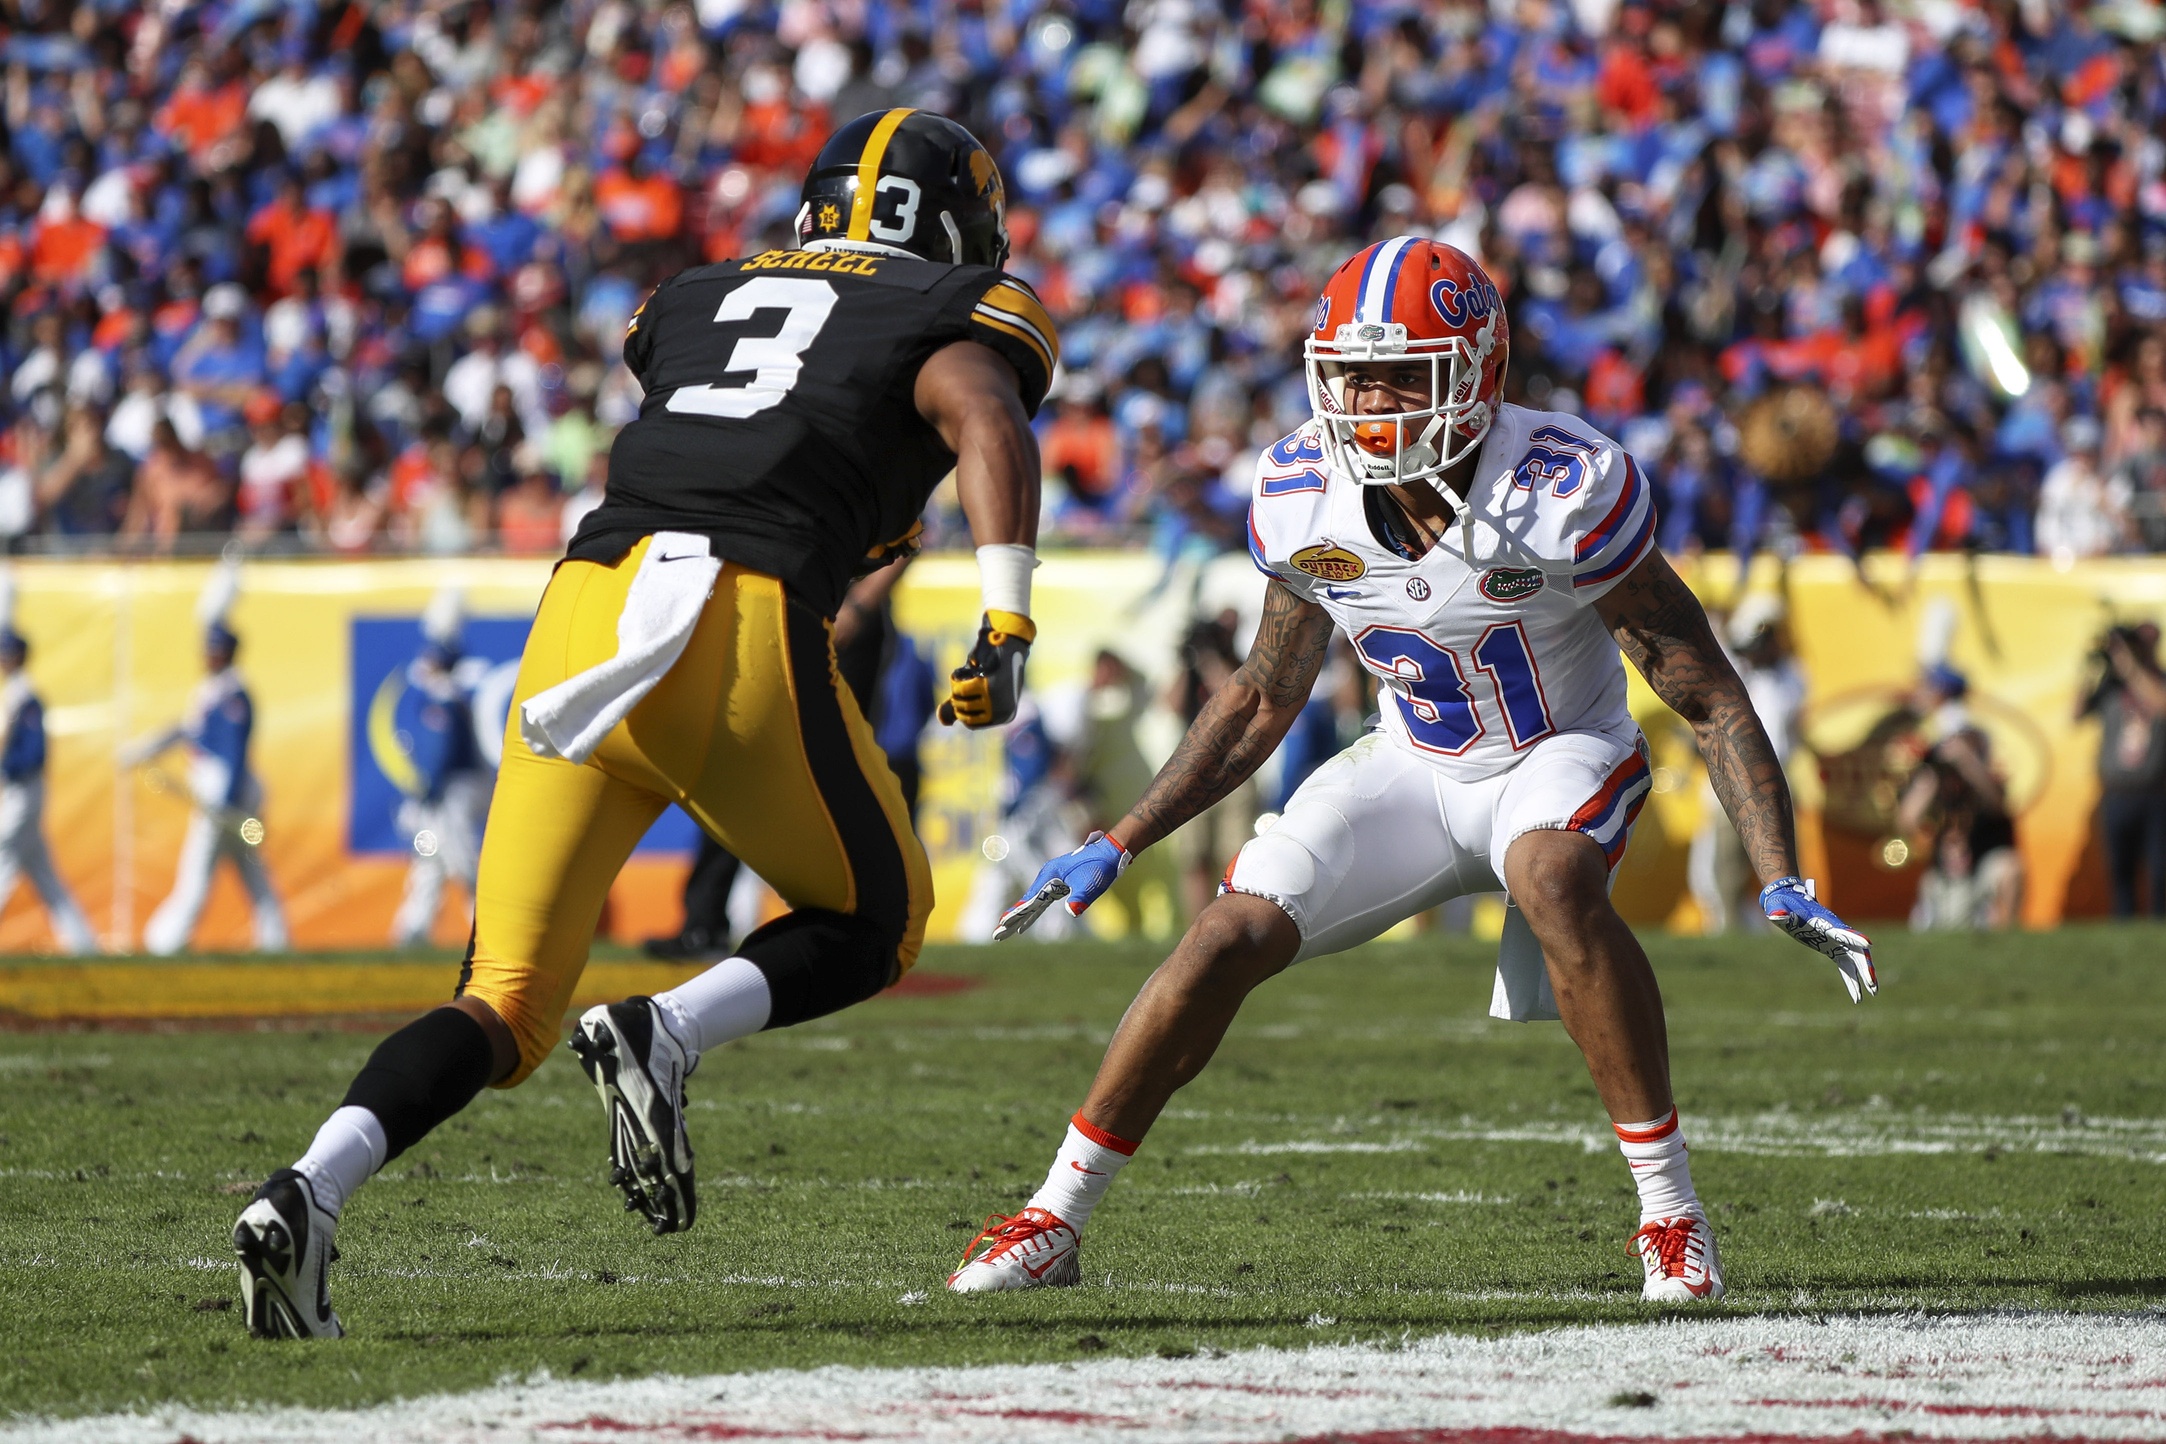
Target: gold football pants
[{"x": 752, "y": 732}]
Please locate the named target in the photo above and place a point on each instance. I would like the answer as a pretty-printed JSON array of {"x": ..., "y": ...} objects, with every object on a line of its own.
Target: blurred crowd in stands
[{"x": 351, "y": 276}]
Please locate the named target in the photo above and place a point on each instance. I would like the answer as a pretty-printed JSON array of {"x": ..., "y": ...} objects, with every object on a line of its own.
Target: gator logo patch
[
  {"x": 1510, "y": 584},
  {"x": 1329, "y": 563}
]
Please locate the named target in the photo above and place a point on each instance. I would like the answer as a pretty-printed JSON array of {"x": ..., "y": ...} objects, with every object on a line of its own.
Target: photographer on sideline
[
  {"x": 2129, "y": 700},
  {"x": 1958, "y": 800}
]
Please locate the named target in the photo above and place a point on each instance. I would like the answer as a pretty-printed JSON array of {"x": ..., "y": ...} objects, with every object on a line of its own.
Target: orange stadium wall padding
[{"x": 116, "y": 651}]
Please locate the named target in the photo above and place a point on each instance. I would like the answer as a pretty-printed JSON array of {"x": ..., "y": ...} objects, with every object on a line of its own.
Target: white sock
[
  {"x": 1656, "y": 1153},
  {"x": 729, "y": 1000},
  {"x": 1082, "y": 1172},
  {"x": 348, "y": 1148}
]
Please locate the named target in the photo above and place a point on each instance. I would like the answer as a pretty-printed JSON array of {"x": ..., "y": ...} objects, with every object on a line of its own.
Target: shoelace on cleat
[
  {"x": 1670, "y": 1241},
  {"x": 1007, "y": 1231}
]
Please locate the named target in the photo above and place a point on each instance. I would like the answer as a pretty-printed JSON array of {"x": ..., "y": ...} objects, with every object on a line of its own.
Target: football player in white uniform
[{"x": 1488, "y": 563}]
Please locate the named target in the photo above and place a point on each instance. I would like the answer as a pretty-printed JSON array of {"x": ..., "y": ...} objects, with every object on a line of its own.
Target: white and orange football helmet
[{"x": 1408, "y": 299}]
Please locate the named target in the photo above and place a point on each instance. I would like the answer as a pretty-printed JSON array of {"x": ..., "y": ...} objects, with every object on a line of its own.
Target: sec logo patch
[
  {"x": 1417, "y": 589},
  {"x": 1329, "y": 563},
  {"x": 1510, "y": 584}
]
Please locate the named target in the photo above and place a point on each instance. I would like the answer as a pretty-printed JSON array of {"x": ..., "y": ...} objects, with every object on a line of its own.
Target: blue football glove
[
  {"x": 1790, "y": 905},
  {"x": 1080, "y": 878}
]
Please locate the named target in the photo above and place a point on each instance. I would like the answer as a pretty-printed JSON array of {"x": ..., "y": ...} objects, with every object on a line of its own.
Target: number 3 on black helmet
[{"x": 911, "y": 182}]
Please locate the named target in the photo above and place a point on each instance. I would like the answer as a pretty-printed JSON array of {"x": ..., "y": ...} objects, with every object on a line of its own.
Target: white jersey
[{"x": 1482, "y": 658}]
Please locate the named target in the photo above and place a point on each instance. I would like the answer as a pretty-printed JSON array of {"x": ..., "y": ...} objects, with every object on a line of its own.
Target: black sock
[
  {"x": 818, "y": 962},
  {"x": 422, "y": 1074}
]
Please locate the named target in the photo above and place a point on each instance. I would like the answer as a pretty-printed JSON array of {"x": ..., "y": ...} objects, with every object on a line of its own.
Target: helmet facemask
[{"x": 1386, "y": 448}]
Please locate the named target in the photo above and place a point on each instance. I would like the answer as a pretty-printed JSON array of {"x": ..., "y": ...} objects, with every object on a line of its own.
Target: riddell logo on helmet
[
  {"x": 1460, "y": 307},
  {"x": 1329, "y": 563},
  {"x": 1323, "y": 313},
  {"x": 1510, "y": 584}
]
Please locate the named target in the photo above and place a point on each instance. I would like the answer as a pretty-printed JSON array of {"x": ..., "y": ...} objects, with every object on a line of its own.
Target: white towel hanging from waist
[
  {"x": 1521, "y": 993},
  {"x": 662, "y": 607}
]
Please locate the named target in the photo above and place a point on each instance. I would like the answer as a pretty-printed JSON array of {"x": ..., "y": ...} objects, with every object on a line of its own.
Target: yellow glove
[{"x": 984, "y": 690}]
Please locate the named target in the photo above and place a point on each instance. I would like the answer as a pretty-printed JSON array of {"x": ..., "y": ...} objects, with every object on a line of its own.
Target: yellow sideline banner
[{"x": 116, "y": 651}]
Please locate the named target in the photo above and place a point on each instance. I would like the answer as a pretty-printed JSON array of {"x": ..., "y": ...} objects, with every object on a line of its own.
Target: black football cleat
[
  {"x": 639, "y": 1069},
  {"x": 284, "y": 1242}
]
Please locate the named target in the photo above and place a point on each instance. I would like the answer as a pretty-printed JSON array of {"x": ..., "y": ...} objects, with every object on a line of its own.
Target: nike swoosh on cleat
[{"x": 1039, "y": 1273}]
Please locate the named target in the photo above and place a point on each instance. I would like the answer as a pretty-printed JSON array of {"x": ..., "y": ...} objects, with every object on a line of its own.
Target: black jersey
[{"x": 780, "y": 419}]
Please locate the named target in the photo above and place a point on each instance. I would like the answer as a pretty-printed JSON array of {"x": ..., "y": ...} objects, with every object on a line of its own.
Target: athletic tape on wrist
[{"x": 1004, "y": 575}]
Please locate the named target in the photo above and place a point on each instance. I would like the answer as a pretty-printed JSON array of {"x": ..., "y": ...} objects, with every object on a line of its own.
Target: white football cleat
[
  {"x": 1682, "y": 1264},
  {"x": 639, "y": 1068},
  {"x": 284, "y": 1241},
  {"x": 1032, "y": 1250}
]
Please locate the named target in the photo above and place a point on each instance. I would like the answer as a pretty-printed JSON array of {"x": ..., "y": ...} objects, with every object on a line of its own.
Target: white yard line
[
  {"x": 1994, "y": 1377},
  {"x": 1861, "y": 1133}
]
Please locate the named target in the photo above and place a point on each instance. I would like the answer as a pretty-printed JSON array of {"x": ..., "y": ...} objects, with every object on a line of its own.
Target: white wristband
[{"x": 1004, "y": 574}]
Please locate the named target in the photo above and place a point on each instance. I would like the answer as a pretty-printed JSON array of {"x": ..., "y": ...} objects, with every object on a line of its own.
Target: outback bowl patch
[
  {"x": 1504, "y": 584},
  {"x": 1331, "y": 563}
]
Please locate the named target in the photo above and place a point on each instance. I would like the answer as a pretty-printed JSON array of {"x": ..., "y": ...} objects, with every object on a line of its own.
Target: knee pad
[
  {"x": 818, "y": 962},
  {"x": 1279, "y": 868},
  {"x": 421, "y": 1075}
]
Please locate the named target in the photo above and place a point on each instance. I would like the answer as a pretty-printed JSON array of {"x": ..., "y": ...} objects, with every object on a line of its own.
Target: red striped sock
[{"x": 1082, "y": 1171}]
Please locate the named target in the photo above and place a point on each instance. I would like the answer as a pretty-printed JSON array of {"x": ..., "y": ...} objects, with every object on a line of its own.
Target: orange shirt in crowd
[
  {"x": 1626, "y": 86},
  {"x": 530, "y": 520},
  {"x": 412, "y": 475},
  {"x": 1085, "y": 442},
  {"x": 322, "y": 484},
  {"x": 649, "y": 209},
  {"x": 299, "y": 239},
  {"x": 64, "y": 250},
  {"x": 200, "y": 116},
  {"x": 777, "y": 135},
  {"x": 523, "y": 94},
  {"x": 113, "y": 328}
]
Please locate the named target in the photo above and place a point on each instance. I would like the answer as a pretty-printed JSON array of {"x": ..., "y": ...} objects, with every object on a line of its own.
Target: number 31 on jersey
[{"x": 1431, "y": 682}]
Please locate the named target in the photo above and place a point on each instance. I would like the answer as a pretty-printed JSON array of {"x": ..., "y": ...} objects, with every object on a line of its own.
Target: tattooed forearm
[
  {"x": 1662, "y": 629},
  {"x": 1239, "y": 727}
]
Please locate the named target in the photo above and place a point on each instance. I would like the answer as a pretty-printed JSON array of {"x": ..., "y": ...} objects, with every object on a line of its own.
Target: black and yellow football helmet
[{"x": 908, "y": 180}]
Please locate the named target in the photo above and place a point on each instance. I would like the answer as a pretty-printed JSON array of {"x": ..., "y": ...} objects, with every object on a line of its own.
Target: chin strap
[
  {"x": 1425, "y": 448},
  {"x": 1459, "y": 508}
]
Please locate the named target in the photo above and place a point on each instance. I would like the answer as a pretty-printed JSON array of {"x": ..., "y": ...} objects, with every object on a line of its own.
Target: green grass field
[{"x": 1369, "y": 1157}]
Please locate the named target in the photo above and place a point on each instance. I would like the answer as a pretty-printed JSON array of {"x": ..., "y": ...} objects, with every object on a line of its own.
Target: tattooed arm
[
  {"x": 1659, "y": 625},
  {"x": 1239, "y": 727}
]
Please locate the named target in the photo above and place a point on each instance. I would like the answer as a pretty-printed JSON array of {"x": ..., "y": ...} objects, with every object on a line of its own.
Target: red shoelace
[
  {"x": 1669, "y": 1240},
  {"x": 1005, "y": 1231}
]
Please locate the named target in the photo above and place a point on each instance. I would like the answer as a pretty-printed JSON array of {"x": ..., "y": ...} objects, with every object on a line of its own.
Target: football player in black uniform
[{"x": 800, "y": 408}]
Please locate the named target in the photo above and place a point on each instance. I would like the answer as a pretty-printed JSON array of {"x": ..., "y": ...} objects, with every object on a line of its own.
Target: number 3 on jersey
[
  {"x": 774, "y": 361},
  {"x": 1441, "y": 714}
]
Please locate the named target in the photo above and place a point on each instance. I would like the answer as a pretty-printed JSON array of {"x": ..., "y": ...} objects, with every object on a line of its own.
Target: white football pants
[
  {"x": 212, "y": 836},
  {"x": 1377, "y": 834},
  {"x": 446, "y": 839},
  {"x": 23, "y": 854}
]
